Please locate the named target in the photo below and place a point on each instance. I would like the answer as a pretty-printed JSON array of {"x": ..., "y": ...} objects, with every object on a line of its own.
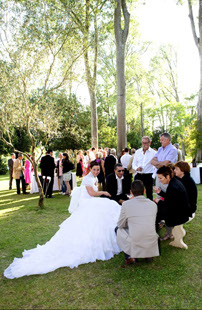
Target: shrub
[{"x": 3, "y": 167}]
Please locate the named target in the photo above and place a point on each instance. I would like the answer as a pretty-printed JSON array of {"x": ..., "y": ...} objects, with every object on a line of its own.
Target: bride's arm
[{"x": 93, "y": 193}]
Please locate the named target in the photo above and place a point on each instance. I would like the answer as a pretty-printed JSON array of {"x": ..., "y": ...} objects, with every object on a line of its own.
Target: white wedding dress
[{"x": 86, "y": 236}]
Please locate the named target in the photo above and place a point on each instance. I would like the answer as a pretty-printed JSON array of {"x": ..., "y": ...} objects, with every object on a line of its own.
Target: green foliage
[
  {"x": 190, "y": 137},
  {"x": 155, "y": 144},
  {"x": 21, "y": 140},
  {"x": 3, "y": 167},
  {"x": 4, "y": 150},
  {"x": 107, "y": 137},
  {"x": 134, "y": 139},
  {"x": 73, "y": 125}
]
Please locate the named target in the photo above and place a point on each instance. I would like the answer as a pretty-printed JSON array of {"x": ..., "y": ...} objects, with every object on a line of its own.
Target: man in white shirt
[
  {"x": 125, "y": 159},
  {"x": 142, "y": 165}
]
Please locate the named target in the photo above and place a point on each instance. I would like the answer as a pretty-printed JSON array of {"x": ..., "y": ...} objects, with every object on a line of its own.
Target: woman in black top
[
  {"x": 182, "y": 172},
  {"x": 174, "y": 209},
  {"x": 67, "y": 166}
]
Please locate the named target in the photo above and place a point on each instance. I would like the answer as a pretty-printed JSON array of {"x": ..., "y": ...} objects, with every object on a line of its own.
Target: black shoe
[
  {"x": 51, "y": 197},
  {"x": 149, "y": 259}
]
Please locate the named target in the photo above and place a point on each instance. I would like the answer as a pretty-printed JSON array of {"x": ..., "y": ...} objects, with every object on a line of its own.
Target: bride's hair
[{"x": 94, "y": 163}]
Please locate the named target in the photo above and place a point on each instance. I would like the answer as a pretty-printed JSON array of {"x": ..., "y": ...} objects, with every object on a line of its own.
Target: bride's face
[{"x": 95, "y": 170}]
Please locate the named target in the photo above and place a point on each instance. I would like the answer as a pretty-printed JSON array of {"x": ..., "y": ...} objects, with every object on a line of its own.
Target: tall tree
[
  {"x": 33, "y": 51},
  {"x": 198, "y": 42},
  {"x": 121, "y": 35},
  {"x": 85, "y": 16}
]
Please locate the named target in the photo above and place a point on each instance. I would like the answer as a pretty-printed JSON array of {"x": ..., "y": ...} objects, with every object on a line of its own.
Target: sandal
[{"x": 166, "y": 237}]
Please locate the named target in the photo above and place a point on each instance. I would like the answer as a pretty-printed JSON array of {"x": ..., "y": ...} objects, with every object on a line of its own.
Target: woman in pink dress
[{"x": 27, "y": 172}]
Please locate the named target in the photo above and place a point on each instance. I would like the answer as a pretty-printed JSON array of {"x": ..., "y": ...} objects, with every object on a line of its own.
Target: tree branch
[
  {"x": 126, "y": 19},
  {"x": 193, "y": 27}
]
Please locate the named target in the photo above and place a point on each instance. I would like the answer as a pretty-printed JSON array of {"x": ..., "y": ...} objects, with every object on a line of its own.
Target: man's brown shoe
[{"x": 128, "y": 261}]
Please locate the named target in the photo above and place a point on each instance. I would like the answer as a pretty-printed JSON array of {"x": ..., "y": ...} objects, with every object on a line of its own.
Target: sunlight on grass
[
  {"x": 21, "y": 200},
  {"x": 5, "y": 211},
  {"x": 7, "y": 194},
  {"x": 3, "y": 201}
]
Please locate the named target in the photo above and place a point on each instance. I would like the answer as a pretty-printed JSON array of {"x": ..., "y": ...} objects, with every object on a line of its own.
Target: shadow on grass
[
  {"x": 10, "y": 202},
  {"x": 12, "y": 191}
]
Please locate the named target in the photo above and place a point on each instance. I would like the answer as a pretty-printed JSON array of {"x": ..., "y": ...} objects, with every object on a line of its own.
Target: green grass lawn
[{"x": 172, "y": 281}]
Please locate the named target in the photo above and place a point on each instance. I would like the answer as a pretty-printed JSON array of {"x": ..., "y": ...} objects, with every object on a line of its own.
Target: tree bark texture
[
  {"x": 121, "y": 37},
  {"x": 41, "y": 193},
  {"x": 91, "y": 77},
  {"x": 199, "y": 108},
  {"x": 198, "y": 42}
]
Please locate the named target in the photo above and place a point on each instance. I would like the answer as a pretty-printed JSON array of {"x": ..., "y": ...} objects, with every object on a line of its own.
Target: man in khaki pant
[
  {"x": 18, "y": 174},
  {"x": 136, "y": 232}
]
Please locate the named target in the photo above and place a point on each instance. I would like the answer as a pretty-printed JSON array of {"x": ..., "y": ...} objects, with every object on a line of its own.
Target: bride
[{"x": 86, "y": 236}]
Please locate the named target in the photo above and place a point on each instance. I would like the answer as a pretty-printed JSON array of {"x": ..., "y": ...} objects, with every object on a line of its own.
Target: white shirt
[
  {"x": 125, "y": 160},
  {"x": 119, "y": 185},
  {"x": 143, "y": 160}
]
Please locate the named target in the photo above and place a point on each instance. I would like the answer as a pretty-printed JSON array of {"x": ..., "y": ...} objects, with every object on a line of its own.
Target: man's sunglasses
[{"x": 120, "y": 170}]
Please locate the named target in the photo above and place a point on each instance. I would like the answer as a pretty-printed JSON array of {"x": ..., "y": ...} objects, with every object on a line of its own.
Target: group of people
[
  {"x": 118, "y": 218},
  {"x": 21, "y": 172}
]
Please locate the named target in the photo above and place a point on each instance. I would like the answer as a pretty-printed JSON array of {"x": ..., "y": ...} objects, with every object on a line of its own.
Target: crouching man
[{"x": 136, "y": 233}]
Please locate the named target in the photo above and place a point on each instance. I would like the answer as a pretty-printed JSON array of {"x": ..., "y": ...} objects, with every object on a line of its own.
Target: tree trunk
[
  {"x": 94, "y": 126},
  {"x": 41, "y": 193},
  {"x": 199, "y": 106},
  {"x": 183, "y": 148},
  {"x": 91, "y": 77},
  {"x": 121, "y": 99},
  {"x": 121, "y": 37},
  {"x": 91, "y": 88},
  {"x": 198, "y": 42},
  {"x": 142, "y": 120}
]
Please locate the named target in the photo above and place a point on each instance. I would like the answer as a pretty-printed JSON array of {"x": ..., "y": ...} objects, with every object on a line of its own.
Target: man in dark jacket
[
  {"x": 116, "y": 184},
  {"x": 110, "y": 161},
  {"x": 10, "y": 166},
  {"x": 47, "y": 166}
]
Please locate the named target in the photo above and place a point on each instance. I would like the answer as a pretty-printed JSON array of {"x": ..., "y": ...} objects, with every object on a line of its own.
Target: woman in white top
[{"x": 86, "y": 236}]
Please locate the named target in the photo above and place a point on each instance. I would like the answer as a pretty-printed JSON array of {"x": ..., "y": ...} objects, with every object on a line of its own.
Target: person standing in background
[
  {"x": 179, "y": 152},
  {"x": 166, "y": 154},
  {"x": 59, "y": 172},
  {"x": 110, "y": 162},
  {"x": 142, "y": 165},
  {"x": 129, "y": 167},
  {"x": 27, "y": 172},
  {"x": 18, "y": 174},
  {"x": 47, "y": 166},
  {"x": 79, "y": 166},
  {"x": 125, "y": 159},
  {"x": 10, "y": 167}
]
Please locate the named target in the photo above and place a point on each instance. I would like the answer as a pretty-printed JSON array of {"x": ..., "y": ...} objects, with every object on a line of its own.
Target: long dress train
[{"x": 86, "y": 236}]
